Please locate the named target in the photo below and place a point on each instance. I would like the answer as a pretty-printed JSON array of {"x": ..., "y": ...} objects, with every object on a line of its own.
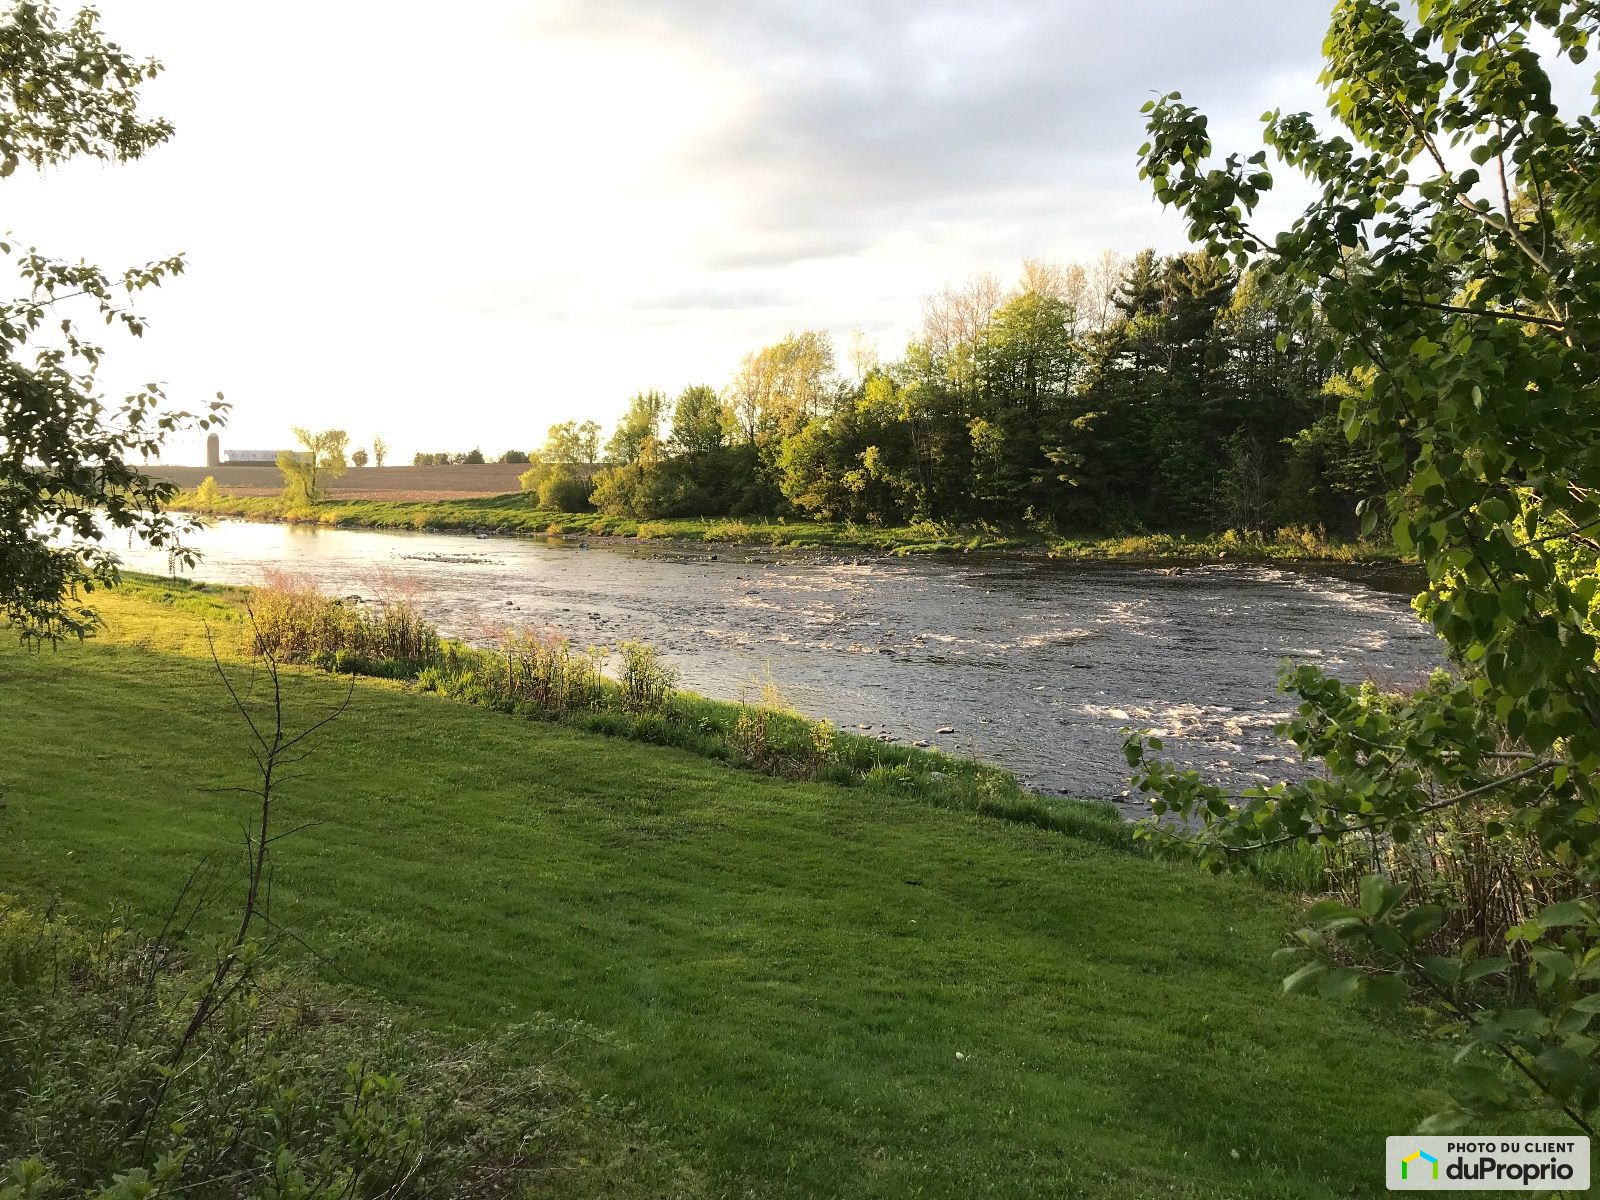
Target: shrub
[
  {"x": 1304, "y": 538},
  {"x": 773, "y": 738},
  {"x": 1486, "y": 886},
  {"x": 288, "y": 1091},
  {"x": 727, "y": 531},
  {"x": 543, "y": 671},
  {"x": 564, "y": 492},
  {"x": 752, "y": 737}
]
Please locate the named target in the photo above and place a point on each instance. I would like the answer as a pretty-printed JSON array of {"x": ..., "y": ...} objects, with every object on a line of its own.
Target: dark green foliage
[
  {"x": 1169, "y": 402},
  {"x": 445, "y": 458},
  {"x": 1460, "y": 303},
  {"x": 562, "y": 490},
  {"x": 289, "y": 1091}
]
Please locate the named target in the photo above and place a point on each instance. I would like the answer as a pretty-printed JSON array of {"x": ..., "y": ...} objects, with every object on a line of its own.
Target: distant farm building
[{"x": 235, "y": 458}]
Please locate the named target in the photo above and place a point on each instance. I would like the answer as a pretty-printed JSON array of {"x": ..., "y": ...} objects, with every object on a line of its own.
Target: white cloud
[{"x": 457, "y": 224}]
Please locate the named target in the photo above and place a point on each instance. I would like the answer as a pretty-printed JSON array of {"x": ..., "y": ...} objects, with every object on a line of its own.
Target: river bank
[
  {"x": 1037, "y": 664},
  {"x": 516, "y": 514},
  {"x": 623, "y": 690},
  {"x": 776, "y": 981}
]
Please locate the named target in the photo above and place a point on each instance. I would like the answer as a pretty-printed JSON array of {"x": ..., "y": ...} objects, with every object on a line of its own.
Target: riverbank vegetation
[
  {"x": 783, "y": 988},
  {"x": 521, "y": 514},
  {"x": 626, "y": 690},
  {"x": 1157, "y": 393}
]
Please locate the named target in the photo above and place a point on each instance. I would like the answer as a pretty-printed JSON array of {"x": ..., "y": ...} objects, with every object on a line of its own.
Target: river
[{"x": 1031, "y": 664}]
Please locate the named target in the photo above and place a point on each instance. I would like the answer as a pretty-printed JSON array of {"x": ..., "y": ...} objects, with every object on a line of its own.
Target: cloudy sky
[{"x": 453, "y": 224}]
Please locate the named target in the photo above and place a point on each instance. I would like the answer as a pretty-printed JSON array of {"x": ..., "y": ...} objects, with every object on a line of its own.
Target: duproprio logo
[
  {"x": 1493, "y": 1163},
  {"x": 1405, "y": 1163}
]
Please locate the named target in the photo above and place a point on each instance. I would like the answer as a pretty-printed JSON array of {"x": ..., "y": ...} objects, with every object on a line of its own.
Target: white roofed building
[{"x": 251, "y": 456}]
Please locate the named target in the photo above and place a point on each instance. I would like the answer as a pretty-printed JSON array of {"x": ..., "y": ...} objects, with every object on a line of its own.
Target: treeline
[
  {"x": 1160, "y": 393},
  {"x": 471, "y": 458}
]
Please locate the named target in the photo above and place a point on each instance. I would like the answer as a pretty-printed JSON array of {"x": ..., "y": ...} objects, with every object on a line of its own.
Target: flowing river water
[{"x": 1034, "y": 665}]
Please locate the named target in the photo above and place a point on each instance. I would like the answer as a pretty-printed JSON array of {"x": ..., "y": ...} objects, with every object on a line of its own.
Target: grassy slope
[
  {"x": 517, "y": 513},
  {"x": 783, "y": 973}
]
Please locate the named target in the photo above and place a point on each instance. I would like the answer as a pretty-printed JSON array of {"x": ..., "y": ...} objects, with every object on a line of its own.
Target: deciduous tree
[
  {"x": 320, "y": 458},
  {"x": 1450, "y": 263},
  {"x": 71, "y": 460}
]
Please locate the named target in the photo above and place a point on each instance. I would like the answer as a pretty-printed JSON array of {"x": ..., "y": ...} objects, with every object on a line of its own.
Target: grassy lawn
[
  {"x": 517, "y": 512},
  {"x": 805, "y": 990}
]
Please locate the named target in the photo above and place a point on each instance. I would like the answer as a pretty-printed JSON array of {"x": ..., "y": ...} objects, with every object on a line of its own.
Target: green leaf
[
  {"x": 1421, "y": 923},
  {"x": 1483, "y": 968},
  {"x": 1328, "y": 910},
  {"x": 1554, "y": 961},
  {"x": 1567, "y": 912},
  {"x": 1339, "y": 983},
  {"x": 1379, "y": 896},
  {"x": 1303, "y": 979}
]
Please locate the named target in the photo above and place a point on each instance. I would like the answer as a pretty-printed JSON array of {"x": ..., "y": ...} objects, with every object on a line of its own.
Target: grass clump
[
  {"x": 543, "y": 673},
  {"x": 1290, "y": 544},
  {"x": 295, "y": 623}
]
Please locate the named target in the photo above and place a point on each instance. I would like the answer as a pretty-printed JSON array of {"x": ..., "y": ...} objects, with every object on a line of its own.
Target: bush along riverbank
[
  {"x": 517, "y": 513},
  {"x": 626, "y": 690}
]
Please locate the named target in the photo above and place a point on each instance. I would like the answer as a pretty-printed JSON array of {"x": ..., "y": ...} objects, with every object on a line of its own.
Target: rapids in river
[{"x": 1034, "y": 665}]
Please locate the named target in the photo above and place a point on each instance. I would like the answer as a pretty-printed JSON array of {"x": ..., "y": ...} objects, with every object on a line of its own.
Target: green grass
[
  {"x": 518, "y": 512},
  {"x": 779, "y": 976},
  {"x": 792, "y": 746}
]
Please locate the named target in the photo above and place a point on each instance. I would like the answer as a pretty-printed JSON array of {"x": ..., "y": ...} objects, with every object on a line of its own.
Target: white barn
[{"x": 250, "y": 456}]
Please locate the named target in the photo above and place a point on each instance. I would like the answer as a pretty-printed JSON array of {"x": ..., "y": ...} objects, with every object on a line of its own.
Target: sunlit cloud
[{"x": 457, "y": 225}]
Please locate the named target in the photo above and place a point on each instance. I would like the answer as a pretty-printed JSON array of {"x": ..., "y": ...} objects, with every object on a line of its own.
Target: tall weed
[{"x": 296, "y": 623}]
